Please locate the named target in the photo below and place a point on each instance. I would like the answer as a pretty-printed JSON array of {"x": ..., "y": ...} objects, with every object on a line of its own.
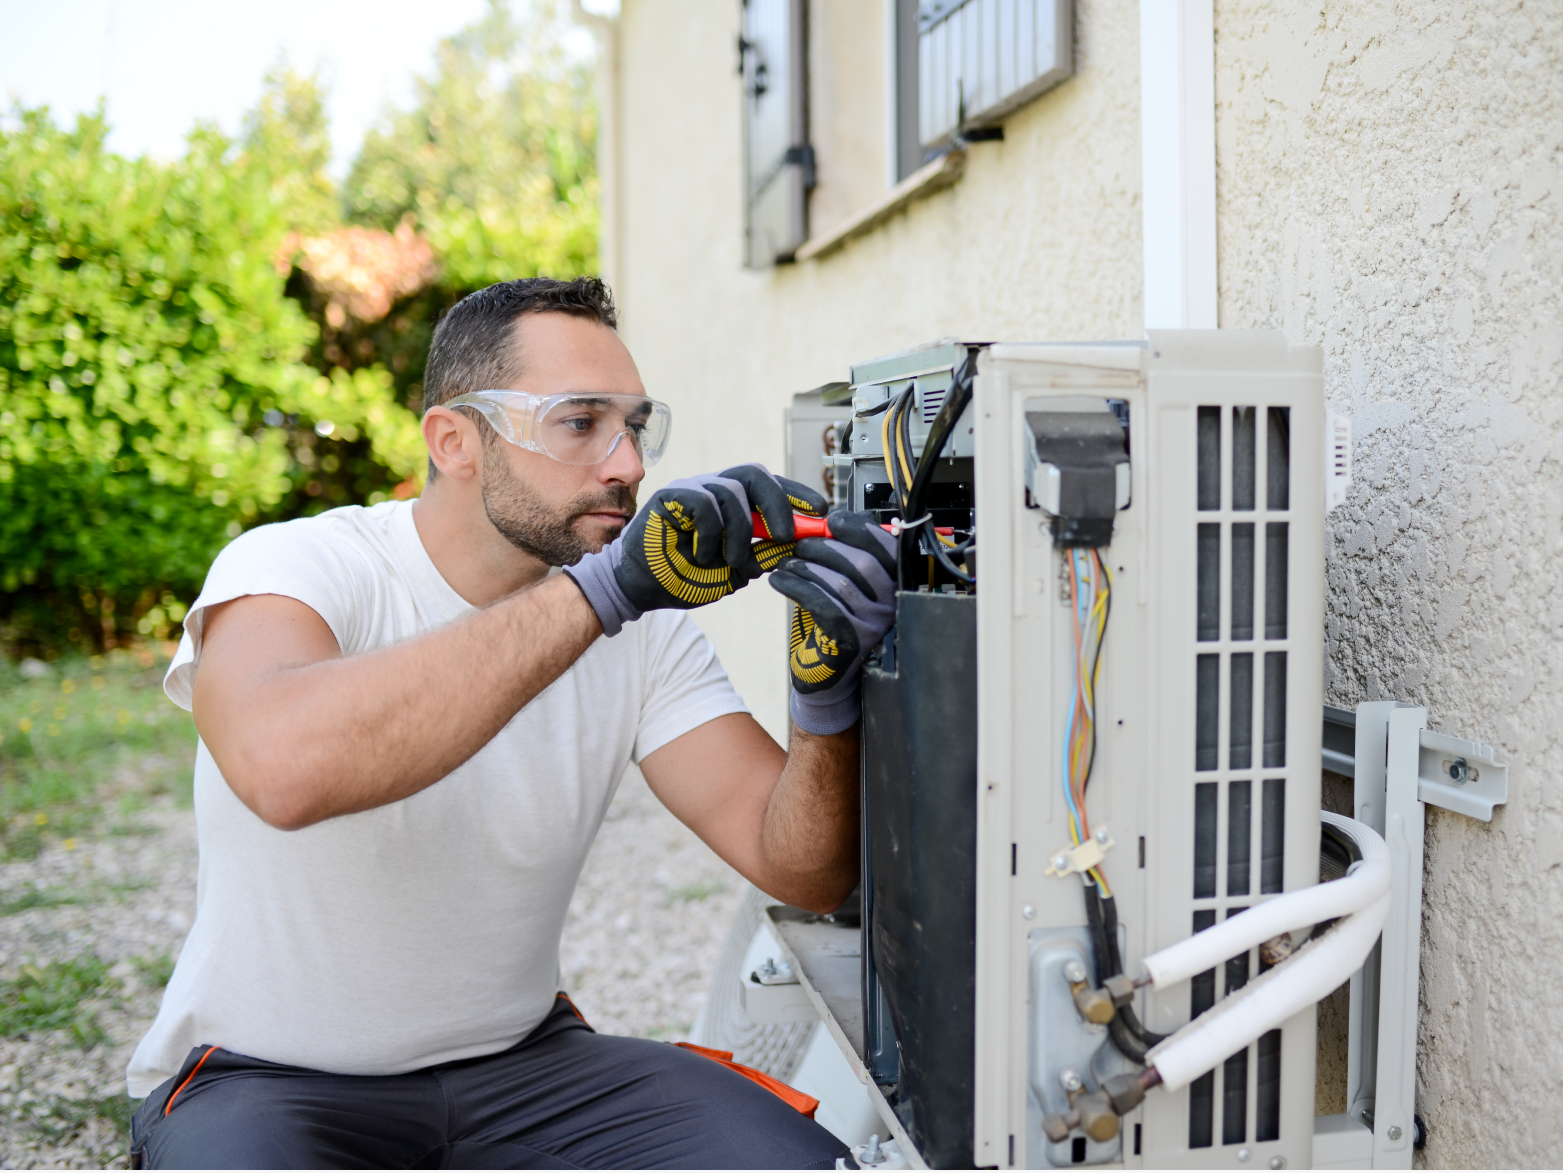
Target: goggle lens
[
  {"x": 576, "y": 429},
  {"x": 585, "y": 429}
]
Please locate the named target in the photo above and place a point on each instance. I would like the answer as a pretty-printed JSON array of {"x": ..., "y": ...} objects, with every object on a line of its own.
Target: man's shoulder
[
  {"x": 342, "y": 532},
  {"x": 347, "y": 523}
]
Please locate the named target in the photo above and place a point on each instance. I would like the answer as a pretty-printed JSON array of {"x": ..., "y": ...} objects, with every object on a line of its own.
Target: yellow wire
[
  {"x": 906, "y": 464},
  {"x": 884, "y": 441}
]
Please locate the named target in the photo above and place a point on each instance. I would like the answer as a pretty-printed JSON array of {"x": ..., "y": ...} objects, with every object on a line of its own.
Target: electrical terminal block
[{"x": 1082, "y": 857}]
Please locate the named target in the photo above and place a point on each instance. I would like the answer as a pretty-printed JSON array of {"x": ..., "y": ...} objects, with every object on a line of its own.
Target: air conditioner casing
[{"x": 1170, "y": 778}]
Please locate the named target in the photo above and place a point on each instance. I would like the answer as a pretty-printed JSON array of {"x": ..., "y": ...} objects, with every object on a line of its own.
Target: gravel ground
[{"x": 642, "y": 937}]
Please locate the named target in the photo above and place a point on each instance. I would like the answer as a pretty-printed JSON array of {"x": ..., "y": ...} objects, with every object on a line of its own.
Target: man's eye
[{"x": 581, "y": 424}]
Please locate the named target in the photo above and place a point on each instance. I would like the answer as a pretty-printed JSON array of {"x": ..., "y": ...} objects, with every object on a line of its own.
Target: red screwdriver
[{"x": 817, "y": 527}]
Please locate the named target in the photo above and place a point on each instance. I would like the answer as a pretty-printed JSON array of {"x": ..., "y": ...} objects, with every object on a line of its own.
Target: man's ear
[{"x": 453, "y": 442}]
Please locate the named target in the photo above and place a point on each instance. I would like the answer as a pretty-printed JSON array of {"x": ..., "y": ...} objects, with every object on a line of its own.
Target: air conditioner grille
[{"x": 1234, "y": 579}]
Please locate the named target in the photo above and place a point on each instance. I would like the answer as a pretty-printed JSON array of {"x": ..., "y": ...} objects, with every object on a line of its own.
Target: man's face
[{"x": 558, "y": 512}]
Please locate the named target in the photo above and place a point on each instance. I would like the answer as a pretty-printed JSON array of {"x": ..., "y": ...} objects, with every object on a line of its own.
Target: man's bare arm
[
  {"x": 786, "y": 820},
  {"x": 302, "y": 733}
]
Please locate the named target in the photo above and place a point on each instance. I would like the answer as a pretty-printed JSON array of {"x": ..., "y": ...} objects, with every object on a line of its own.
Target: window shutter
[
  {"x": 977, "y": 60},
  {"x": 778, "y": 161}
]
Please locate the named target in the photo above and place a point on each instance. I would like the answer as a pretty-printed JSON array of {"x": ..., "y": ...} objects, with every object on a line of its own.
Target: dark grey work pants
[{"x": 564, "y": 1097}]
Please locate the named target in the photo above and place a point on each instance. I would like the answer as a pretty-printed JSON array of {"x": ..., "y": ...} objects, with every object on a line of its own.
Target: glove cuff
[
  {"x": 824, "y": 714},
  {"x": 594, "y": 574}
]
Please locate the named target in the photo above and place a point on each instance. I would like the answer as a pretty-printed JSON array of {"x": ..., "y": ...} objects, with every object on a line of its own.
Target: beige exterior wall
[{"x": 1389, "y": 188}]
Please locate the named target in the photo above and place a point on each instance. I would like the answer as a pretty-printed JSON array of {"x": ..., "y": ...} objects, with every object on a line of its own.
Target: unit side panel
[
  {"x": 1025, "y": 667},
  {"x": 1000, "y": 1052}
]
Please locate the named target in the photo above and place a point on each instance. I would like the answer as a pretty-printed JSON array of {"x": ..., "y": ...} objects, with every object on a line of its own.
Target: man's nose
[{"x": 623, "y": 464}]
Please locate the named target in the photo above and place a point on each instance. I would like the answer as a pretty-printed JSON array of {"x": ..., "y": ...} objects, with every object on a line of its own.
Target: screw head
[
  {"x": 1277, "y": 1162},
  {"x": 1028, "y": 912},
  {"x": 1243, "y": 1154},
  {"x": 1060, "y": 862},
  {"x": 1460, "y": 770},
  {"x": 1074, "y": 971},
  {"x": 1394, "y": 1132},
  {"x": 1071, "y": 1080},
  {"x": 1101, "y": 836}
]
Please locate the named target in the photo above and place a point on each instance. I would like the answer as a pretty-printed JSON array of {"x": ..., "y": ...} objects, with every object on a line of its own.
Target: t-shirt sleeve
[
  {"x": 298, "y": 559},
  {"x": 685, "y": 684}
]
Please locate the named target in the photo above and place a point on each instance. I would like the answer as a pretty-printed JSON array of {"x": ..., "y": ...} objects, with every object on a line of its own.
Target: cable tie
[{"x": 897, "y": 525}]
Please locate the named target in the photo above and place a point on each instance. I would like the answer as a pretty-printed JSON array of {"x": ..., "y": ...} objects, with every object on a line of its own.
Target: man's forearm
[
  {"x": 809, "y": 838},
  {"x": 351, "y": 733}
]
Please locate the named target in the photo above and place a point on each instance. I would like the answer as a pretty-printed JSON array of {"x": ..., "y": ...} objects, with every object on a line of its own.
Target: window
[
  {"x": 963, "y": 65},
  {"x": 778, "y": 162}
]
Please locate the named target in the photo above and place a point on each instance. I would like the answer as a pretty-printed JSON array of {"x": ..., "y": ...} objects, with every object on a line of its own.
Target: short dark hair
[{"x": 474, "y": 347}]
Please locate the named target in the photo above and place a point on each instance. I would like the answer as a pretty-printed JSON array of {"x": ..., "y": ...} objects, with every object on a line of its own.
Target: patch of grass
[
  {"x": 92, "y": 731},
  {"x": 155, "y": 971},
  {"x": 59, "y": 1120},
  {"x": 31, "y": 897},
  {"x": 56, "y": 996},
  {"x": 690, "y": 893}
]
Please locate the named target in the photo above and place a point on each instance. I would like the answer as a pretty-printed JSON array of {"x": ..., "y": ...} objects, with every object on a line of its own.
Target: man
[{"x": 410, "y": 731}]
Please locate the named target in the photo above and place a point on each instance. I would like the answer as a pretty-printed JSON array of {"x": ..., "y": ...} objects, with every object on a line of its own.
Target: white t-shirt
[{"x": 427, "y": 930}]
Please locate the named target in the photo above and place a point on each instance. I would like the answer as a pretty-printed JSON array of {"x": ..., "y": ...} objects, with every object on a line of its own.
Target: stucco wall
[
  {"x": 1040, "y": 239},
  {"x": 1390, "y": 189}
]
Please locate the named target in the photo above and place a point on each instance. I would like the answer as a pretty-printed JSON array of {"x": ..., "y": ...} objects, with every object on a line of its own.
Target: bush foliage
[
  {"x": 166, "y": 381},
  {"x": 147, "y": 354}
]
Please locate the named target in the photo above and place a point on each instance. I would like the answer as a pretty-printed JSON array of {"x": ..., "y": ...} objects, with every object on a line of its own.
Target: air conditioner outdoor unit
[{"x": 1099, "y": 898}]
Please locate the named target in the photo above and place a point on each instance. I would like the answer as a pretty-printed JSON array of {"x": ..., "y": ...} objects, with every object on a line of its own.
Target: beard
[{"x": 529, "y": 524}]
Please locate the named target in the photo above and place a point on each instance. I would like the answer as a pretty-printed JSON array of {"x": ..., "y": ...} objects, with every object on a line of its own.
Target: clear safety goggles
[{"x": 582, "y": 428}]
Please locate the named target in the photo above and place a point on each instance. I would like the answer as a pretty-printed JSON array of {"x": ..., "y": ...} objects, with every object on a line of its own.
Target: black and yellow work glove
[
  {"x": 693, "y": 543},
  {"x": 844, "y": 586}
]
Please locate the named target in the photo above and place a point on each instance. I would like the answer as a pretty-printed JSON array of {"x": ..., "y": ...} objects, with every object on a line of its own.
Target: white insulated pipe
[
  {"x": 1310, "y": 974},
  {"x": 1366, "y": 882},
  {"x": 1313, "y": 972}
]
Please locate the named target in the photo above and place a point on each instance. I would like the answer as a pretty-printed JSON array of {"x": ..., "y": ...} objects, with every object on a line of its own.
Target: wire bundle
[
  {"x": 1090, "y": 598},
  {"x": 909, "y": 478}
]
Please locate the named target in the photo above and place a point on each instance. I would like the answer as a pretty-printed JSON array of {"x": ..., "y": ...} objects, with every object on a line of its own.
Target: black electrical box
[{"x": 920, "y": 870}]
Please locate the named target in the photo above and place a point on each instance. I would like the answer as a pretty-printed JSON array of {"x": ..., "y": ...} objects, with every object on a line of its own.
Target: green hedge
[{"x": 150, "y": 365}]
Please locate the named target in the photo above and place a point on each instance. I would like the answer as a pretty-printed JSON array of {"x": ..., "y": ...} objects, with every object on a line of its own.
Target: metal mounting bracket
[
  {"x": 1399, "y": 768},
  {"x": 1458, "y": 775}
]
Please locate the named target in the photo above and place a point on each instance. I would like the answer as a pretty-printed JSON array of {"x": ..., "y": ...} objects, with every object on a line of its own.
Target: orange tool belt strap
[{"x": 790, "y": 1096}]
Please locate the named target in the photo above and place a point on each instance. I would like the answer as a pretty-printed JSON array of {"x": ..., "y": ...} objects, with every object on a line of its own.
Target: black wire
[
  {"x": 942, "y": 428},
  {"x": 903, "y": 429},
  {"x": 1133, "y": 1047},
  {"x": 1127, "y": 1032},
  {"x": 935, "y": 547},
  {"x": 885, "y": 406},
  {"x": 1093, "y": 916},
  {"x": 939, "y": 433}
]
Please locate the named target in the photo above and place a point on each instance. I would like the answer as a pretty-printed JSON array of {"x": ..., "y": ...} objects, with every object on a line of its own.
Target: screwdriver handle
[{"x": 805, "y": 526}]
